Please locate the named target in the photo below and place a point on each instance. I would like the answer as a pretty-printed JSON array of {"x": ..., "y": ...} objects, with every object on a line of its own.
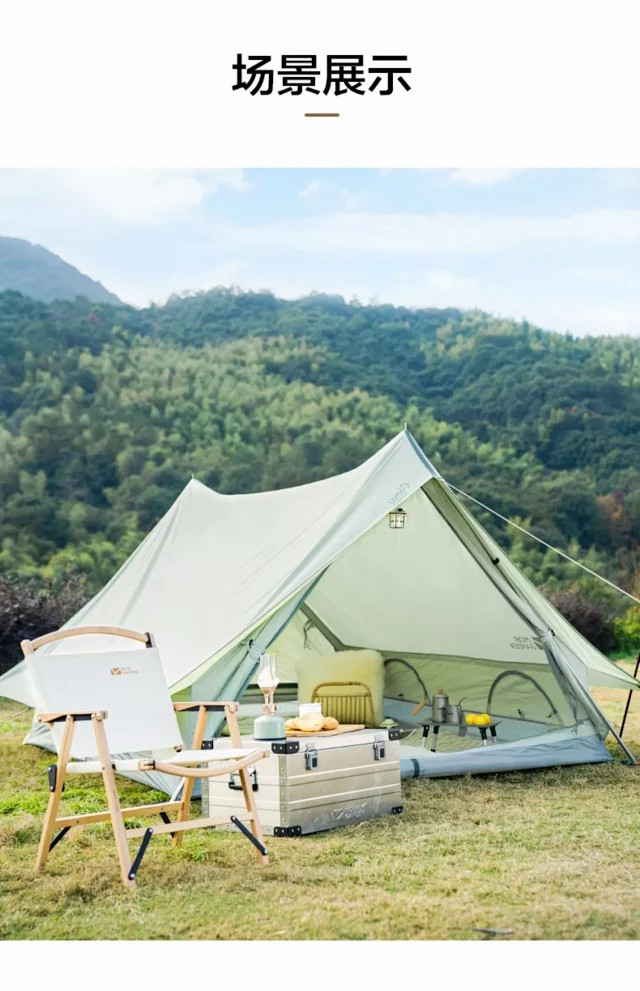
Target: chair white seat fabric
[
  {"x": 182, "y": 759},
  {"x": 104, "y": 708},
  {"x": 209, "y": 756}
]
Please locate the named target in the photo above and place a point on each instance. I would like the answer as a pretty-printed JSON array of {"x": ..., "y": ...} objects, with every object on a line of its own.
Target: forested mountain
[
  {"x": 106, "y": 411},
  {"x": 32, "y": 270}
]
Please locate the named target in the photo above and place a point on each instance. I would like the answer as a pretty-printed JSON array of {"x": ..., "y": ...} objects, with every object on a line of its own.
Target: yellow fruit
[{"x": 471, "y": 718}]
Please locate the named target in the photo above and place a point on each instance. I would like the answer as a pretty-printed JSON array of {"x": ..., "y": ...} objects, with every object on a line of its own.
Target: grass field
[{"x": 547, "y": 854}]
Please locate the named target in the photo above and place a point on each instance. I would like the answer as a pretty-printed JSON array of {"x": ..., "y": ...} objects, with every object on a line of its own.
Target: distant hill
[
  {"x": 106, "y": 411},
  {"x": 35, "y": 271}
]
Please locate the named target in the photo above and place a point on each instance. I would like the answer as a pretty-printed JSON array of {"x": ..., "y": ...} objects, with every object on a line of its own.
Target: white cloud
[
  {"x": 482, "y": 177},
  {"x": 448, "y": 283},
  {"x": 136, "y": 198},
  {"x": 148, "y": 197},
  {"x": 622, "y": 180},
  {"x": 353, "y": 201},
  {"x": 567, "y": 314},
  {"x": 42, "y": 200},
  {"x": 140, "y": 291},
  {"x": 562, "y": 269},
  {"x": 350, "y": 200},
  {"x": 603, "y": 320},
  {"x": 310, "y": 190},
  {"x": 595, "y": 274},
  {"x": 226, "y": 274},
  {"x": 438, "y": 233},
  {"x": 435, "y": 287}
]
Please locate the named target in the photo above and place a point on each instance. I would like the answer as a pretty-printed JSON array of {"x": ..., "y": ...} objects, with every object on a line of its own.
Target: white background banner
[{"x": 144, "y": 83}]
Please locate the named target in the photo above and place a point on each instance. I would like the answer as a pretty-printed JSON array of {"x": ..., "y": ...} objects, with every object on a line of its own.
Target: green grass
[{"x": 548, "y": 854}]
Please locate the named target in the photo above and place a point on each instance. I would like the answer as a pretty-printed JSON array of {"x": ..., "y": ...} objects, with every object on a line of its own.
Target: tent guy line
[{"x": 544, "y": 543}]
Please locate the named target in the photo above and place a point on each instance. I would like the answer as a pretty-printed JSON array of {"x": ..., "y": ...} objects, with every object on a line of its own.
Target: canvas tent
[{"x": 317, "y": 568}]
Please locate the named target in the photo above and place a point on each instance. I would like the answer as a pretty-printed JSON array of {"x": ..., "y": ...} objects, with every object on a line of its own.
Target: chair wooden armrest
[
  {"x": 57, "y": 717},
  {"x": 29, "y": 646},
  {"x": 230, "y": 710},
  {"x": 209, "y": 706},
  {"x": 190, "y": 775},
  {"x": 198, "y": 773}
]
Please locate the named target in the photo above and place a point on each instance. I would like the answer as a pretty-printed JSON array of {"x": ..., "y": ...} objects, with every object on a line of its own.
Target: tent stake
[{"x": 626, "y": 708}]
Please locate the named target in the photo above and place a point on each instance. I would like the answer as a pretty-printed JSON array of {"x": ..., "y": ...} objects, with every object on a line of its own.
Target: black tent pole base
[{"x": 626, "y": 708}]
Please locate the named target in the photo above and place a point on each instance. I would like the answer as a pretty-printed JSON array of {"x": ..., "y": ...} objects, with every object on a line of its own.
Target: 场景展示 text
[{"x": 331, "y": 75}]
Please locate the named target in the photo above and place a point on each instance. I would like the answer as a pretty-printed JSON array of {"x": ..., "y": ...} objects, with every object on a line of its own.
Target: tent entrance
[{"x": 419, "y": 597}]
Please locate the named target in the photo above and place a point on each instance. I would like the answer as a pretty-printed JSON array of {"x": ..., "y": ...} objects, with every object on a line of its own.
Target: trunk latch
[
  {"x": 236, "y": 785},
  {"x": 311, "y": 758},
  {"x": 379, "y": 749}
]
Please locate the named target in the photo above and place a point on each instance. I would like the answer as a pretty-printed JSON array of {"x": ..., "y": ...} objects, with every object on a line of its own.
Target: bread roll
[{"x": 312, "y": 722}]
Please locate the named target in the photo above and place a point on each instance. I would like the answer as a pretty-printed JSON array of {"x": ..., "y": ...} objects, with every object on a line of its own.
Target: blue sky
[{"x": 559, "y": 247}]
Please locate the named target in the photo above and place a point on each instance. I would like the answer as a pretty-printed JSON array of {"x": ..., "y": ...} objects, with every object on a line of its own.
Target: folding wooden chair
[{"x": 105, "y": 708}]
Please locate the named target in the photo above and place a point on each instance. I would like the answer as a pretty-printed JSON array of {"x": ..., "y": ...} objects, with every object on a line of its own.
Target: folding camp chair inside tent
[{"x": 318, "y": 568}]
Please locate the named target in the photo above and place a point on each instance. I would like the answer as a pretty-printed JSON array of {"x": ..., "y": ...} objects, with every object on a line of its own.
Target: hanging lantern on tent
[{"x": 397, "y": 518}]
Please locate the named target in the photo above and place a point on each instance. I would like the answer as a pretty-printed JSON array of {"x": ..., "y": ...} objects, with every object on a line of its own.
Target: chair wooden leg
[
  {"x": 113, "y": 802},
  {"x": 53, "y": 805},
  {"x": 187, "y": 791},
  {"x": 184, "y": 810},
  {"x": 250, "y": 802},
  {"x": 247, "y": 790}
]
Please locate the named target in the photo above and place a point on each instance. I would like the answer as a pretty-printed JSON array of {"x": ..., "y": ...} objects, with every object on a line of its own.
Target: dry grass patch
[{"x": 548, "y": 854}]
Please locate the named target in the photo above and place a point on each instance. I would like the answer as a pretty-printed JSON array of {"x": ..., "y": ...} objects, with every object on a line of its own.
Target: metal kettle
[
  {"x": 439, "y": 706},
  {"x": 455, "y": 716}
]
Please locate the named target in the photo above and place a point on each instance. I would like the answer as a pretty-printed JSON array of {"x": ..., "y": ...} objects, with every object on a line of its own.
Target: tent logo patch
[
  {"x": 399, "y": 494},
  {"x": 524, "y": 643},
  {"x": 118, "y": 671}
]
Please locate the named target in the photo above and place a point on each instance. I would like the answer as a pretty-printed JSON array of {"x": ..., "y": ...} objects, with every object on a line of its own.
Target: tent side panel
[
  {"x": 491, "y": 559},
  {"x": 601, "y": 671}
]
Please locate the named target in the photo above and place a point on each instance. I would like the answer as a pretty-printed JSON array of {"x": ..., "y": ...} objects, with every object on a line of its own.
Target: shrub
[
  {"x": 28, "y": 609},
  {"x": 627, "y": 631},
  {"x": 591, "y": 619}
]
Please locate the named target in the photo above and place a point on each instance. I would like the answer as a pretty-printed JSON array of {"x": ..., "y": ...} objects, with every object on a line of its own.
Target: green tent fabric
[{"x": 318, "y": 567}]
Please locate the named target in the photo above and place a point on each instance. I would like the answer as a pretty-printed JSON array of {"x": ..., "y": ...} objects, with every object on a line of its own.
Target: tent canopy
[{"x": 220, "y": 578}]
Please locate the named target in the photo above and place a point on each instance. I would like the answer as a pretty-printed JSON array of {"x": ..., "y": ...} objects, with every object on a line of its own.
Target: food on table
[
  {"x": 478, "y": 719},
  {"x": 311, "y": 722}
]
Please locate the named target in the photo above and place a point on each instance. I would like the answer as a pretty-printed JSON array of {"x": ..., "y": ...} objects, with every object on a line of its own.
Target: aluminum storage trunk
[{"x": 308, "y": 785}]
